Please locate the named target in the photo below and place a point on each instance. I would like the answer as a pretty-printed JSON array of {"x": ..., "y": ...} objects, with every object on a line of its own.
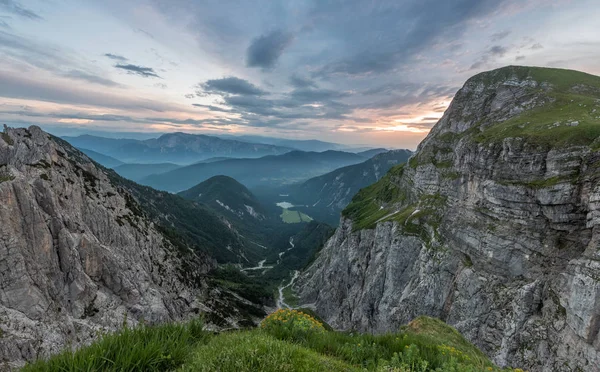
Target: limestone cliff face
[
  {"x": 76, "y": 255},
  {"x": 493, "y": 226}
]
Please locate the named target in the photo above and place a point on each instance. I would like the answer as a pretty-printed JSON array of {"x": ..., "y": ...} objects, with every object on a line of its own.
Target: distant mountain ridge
[
  {"x": 324, "y": 197},
  {"x": 302, "y": 145},
  {"x": 179, "y": 148},
  {"x": 226, "y": 194},
  {"x": 293, "y": 166},
  {"x": 137, "y": 172},
  {"x": 105, "y": 160}
]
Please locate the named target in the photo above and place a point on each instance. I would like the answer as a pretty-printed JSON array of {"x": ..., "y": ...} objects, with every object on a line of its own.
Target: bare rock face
[
  {"x": 76, "y": 254},
  {"x": 493, "y": 226}
]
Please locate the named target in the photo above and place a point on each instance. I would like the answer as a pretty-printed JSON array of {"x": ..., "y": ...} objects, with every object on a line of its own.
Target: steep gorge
[{"x": 492, "y": 226}]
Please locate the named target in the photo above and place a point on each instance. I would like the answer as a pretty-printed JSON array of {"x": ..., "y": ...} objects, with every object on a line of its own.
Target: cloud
[
  {"x": 317, "y": 95},
  {"x": 301, "y": 82},
  {"x": 497, "y": 50},
  {"x": 488, "y": 56},
  {"x": 375, "y": 38},
  {"x": 27, "y": 53},
  {"x": 13, "y": 7},
  {"x": 265, "y": 50},
  {"x": 536, "y": 46},
  {"x": 499, "y": 35},
  {"x": 23, "y": 87},
  {"x": 116, "y": 57},
  {"x": 81, "y": 75},
  {"x": 229, "y": 85},
  {"x": 138, "y": 70},
  {"x": 211, "y": 107}
]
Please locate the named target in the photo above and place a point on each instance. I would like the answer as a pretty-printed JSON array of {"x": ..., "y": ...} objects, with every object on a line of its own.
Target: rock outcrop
[
  {"x": 78, "y": 255},
  {"x": 492, "y": 226}
]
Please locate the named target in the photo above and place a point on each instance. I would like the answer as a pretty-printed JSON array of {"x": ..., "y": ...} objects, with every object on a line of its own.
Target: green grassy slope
[
  {"x": 571, "y": 116},
  {"x": 426, "y": 344}
]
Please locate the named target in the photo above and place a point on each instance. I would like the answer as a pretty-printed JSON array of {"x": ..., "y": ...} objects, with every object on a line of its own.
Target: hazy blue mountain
[
  {"x": 105, "y": 160},
  {"x": 225, "y": 194},
  {"x": 291, "y": 167},
  {"x": 263, "y": 232},
  {"x": 106, "y": 146},
  {"x": 136, "y": 172},
  {"x": 178, "y": 148},
  {"x": 324, "y": 197},
  {"x": 370, "y": 153},
  {"x": 302, "y": 145}
]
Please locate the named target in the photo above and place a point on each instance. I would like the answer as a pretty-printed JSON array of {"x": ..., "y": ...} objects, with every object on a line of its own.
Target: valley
[
  {"x": 299, "y": 186},
  {"x": 489, "y": 226}
]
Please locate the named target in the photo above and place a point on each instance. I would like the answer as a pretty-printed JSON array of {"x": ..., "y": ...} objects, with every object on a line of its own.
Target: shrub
[{"x": 291, "y": 321}]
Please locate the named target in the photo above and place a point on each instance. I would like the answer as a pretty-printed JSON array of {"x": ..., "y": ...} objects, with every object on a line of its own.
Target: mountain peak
[
  {"x": 225, "y": 194},
  {"x": 542, "y": 106}
]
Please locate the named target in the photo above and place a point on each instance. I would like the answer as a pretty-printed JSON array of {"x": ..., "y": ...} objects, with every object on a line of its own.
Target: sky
[{"x": 350, "y": 71}]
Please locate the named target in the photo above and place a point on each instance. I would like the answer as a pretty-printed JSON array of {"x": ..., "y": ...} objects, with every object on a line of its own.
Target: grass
[
  {"x": 144, "y": 348},
  {"x": 574, "y": 97},
  {"x": 290, "y": 216},
  {"x": 258, "y": 351},
  {"x": 550, "y": 124},
  {"x": 289, "y": 341},
  {"x": 373, "y": 203}
]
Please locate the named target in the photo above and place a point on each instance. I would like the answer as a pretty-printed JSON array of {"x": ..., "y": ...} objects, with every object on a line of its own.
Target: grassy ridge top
[
  {"x": 570, "y": 118},
  {"x": 426, "y": 344},
  {"x": 561, "y": 79}
]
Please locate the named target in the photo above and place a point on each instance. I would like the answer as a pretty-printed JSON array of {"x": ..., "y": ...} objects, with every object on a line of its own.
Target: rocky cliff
[
  {"x": 79, "y": 254},
  {"x": 492, "y": 226}
]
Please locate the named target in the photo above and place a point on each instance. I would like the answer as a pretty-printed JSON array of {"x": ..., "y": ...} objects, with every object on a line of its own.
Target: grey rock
[
  {"x": 513, "y": 264},
  {"x": 75, "y": 259}
]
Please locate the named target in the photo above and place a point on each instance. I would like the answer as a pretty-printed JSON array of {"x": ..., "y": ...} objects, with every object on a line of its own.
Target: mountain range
[
  {"x": 324, "y": 197},
  {"x": 492, "y": 225},
  {"x": 178, "y": 148},
  {"x": 272, "y": 170}
]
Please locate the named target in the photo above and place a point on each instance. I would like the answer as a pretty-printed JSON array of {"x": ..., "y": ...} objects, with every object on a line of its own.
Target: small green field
[{"x": 289, "y": 216}]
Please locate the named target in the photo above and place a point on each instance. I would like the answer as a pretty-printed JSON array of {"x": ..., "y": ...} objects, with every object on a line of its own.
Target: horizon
[{"x": 280, "y": 69}]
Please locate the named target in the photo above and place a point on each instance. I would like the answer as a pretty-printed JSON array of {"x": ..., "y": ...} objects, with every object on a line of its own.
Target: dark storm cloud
[
  {"x": 229, "y": 85},
  {"x": 265, "y": 50},
  {"x": 115, "y": 57},
  {"x": 13, "y": 7},
  {"x": 138, "y": 70}
]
